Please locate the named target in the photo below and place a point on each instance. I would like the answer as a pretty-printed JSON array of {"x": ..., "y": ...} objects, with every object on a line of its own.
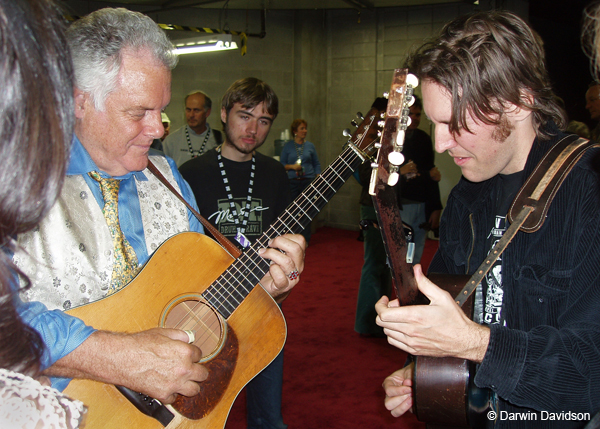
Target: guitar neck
[{"x": 232, "y": 287}]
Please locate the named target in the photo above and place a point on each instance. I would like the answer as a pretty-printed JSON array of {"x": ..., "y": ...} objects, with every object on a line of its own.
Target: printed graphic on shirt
[
  {"x": 225, "y": 222},
  {"x": 493, "y": 279}
]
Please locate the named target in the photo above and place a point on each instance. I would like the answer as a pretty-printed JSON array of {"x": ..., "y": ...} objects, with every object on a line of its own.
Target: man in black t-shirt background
[{"x": 241, "y": 192}]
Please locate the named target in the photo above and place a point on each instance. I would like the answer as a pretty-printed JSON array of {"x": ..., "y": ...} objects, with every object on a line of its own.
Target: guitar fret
[
  {"x": 310, "y": 200},
  {"x": 304, "y": 212},
  {"x": 294, "y": 219},
  {"x": 289, "y": 230}
]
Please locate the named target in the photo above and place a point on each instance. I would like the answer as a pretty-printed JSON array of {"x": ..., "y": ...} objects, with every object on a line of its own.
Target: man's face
[
  {"x": 415, "y": 117},
  {"x": 246, "y": 129},
  {"x": 592, "y": 102},
  {"x": 195, "y": 113},
  {"x": 118, "y": 138},
  {"x": 486, "y": 151}
]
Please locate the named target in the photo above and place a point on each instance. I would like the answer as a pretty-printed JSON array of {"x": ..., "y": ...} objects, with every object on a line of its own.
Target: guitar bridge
[{"x": 147, "y": 405}]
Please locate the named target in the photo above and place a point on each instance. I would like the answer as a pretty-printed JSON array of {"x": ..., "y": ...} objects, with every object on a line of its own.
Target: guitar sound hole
[{"x": 202, "y": 320}]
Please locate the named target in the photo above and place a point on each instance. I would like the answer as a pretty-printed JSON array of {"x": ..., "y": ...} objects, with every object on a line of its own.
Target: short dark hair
[
  {"x": 486, "y": 60},
  {"x": 250, "y": 92},
  {"x": 35, "y": 70}
]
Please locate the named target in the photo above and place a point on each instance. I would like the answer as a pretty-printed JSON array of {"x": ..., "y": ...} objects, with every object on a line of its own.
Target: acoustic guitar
[
  {"x": 192, "y": 283},
  {"x": 443, "y": 391}
]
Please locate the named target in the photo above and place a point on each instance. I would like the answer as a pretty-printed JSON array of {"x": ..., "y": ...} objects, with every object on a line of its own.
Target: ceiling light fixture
[{"x": 205, "y": 43}]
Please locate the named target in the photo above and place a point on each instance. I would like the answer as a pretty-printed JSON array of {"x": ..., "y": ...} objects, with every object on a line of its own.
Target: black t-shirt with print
[
  {"x": 489, "y": 308},
  {"x": 270, "y": 194}
]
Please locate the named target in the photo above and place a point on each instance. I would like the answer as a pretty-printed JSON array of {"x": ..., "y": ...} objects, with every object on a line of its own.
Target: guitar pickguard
[{"x": 211, "y": 391}]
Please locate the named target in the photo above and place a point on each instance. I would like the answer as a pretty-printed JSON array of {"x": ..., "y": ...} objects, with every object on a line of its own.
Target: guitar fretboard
[{"x": 232, "y": 287}]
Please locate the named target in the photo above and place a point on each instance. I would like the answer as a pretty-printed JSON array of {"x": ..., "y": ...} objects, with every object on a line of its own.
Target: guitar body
[
  {"x": 238, "y": 348},
  {"x": 444, "y": 393}
]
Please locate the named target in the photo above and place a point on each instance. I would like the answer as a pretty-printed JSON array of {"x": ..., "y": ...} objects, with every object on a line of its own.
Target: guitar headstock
[
  {"x": 397, "y": 120},
  {"x": 385, "y": 174},
  {"x": 367, "y": 133}
]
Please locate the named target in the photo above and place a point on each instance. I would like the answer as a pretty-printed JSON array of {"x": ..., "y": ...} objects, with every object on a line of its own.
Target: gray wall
[{"x": 324, "y": 65}]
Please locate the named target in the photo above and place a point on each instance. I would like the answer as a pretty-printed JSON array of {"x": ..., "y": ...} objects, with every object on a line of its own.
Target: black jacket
[{"x": 547, "y": 358}]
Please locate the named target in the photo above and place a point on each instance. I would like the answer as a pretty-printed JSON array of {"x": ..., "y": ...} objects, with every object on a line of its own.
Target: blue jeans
[
  {"x": 375, "y": 278},
  {"x": 263, "y": 397}
]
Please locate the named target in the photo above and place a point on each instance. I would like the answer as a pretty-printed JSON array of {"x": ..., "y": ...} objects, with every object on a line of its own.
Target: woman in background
[
  {"x": 36, "y": 101},
  {"x": 301, "y": 162}
]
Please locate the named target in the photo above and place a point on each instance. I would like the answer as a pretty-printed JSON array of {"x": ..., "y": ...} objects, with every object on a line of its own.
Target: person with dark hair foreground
[
  {"x": 35, "y": 70},
  {"x": 535, "y": 336},
  {"x": 113, "y": 213}
]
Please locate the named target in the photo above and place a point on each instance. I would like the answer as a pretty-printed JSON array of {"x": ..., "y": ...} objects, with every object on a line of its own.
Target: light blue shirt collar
[{"x": 82, "y": 163}]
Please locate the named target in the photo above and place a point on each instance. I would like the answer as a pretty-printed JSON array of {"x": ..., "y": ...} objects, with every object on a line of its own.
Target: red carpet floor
[{"x": 332, "y": 376}]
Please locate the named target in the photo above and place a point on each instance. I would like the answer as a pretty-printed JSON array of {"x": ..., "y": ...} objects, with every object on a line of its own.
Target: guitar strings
[{"x": 223, "y": 289}]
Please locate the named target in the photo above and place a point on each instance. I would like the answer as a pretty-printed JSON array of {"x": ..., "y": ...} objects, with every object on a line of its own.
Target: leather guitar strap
[
  {"x": 223, "y": 241},
  {"x": 529, "y": 209}
]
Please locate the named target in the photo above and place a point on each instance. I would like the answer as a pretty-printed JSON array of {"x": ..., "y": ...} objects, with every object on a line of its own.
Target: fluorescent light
[{"x": 205, "y": 43}]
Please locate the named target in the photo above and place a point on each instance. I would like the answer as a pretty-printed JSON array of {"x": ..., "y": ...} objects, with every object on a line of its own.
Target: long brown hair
[
  {"x": 36, "y": 101},
  {"x": 486, "y": 61}
]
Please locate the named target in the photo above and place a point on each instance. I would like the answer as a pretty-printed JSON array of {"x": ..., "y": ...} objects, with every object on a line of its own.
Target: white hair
[{"x": 97, "y": 42}]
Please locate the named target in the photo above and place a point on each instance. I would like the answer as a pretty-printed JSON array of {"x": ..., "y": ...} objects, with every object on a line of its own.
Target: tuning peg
[
  {"x": 412, "y": 80},
  {"x": 360, "y": 116},
  {"x": 353, "y": 122},
  {"x": 377, "y": 145},
  {"x": 405, "y": 122},
  {"x": 386, "y": 95},
  {"x": 393, "y": 177},
  {"x": 410, "y": 101},
  {"x": 347, "y": 133},
  {"x": 395, "y": 158},
  {"x": 380, "y": 124}
]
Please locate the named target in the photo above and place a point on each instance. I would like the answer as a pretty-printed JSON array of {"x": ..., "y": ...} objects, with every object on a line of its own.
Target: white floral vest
[{"x": 69, "y": 256}]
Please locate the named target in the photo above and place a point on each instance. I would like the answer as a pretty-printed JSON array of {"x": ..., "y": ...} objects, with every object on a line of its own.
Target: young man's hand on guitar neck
[
  {"x": 287, "y": 255},
  {"x": 439, "y": 329}
]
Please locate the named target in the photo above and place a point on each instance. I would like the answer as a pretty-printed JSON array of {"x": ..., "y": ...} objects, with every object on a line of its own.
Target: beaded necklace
[
  {"x": 240, "y": 237},
  {"x": 189, "y": 142}
]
